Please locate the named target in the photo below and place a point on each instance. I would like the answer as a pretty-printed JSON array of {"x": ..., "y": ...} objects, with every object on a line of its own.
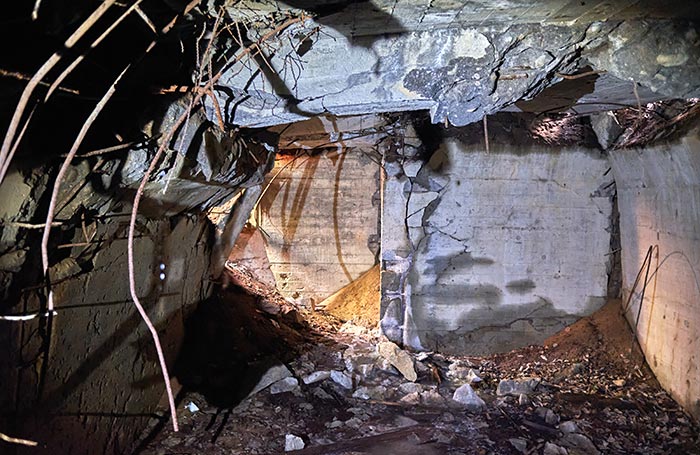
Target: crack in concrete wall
[{"x": 486, "y": 262}]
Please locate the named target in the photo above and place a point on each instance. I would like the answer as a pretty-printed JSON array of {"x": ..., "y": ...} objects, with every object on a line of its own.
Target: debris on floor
[{"x": 320, "y": 390}]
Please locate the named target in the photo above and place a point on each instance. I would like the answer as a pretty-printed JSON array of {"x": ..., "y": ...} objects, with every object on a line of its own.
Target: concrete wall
[
  {"x": 319, "y": 218},
  {"x": 659, "y": 199},
  {"x": 502, "y": 249},
  {"x": 102, "y": 378},
  {"x": 250, "y": 252}
]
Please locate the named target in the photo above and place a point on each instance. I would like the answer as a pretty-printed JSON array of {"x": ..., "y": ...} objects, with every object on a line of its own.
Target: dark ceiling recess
[{"x": 56, "y": 122}]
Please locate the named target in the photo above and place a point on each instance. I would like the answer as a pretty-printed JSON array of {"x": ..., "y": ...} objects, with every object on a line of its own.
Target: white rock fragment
[
  {"x": 432, "y": 398},
  {"x": 410, "y": 387},
  {"x": 578, "y": 443},
  {"x": 370, "y": 393},
  {"x": 411, "y": 398},
  {"x": 423, "y": 356},
  {"x": 284, "y": 385},
  {"x": 469, "y": 398},
  {"x": 553, "y": 449},
  {"x": 316, "y": 376},
  {"x": 568, "y": 427},
  {"x": 473, "y": 376},
  {"x": 547, "y": 415},
  {"x": 272, "y": 375},
  {"x": 293, "y": 442},
  {"x": 341, "y": 379},
  {"x": 516, "y": 387},
  {"x": 399, "y": 359},
  {"x": 334, "y": 424},
  {"x": 523, "y": 399}
]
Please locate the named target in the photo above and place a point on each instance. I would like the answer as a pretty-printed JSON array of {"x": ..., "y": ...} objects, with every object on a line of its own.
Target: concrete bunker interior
[{"x": 392, "y": 226}]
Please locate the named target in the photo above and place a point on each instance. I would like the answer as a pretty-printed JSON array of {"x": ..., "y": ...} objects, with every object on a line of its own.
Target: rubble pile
[{"x": 352, "y": 392}]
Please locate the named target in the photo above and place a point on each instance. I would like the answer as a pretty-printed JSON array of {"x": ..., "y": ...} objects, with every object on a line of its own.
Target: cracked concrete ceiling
[{"x": 461, "y": 60}]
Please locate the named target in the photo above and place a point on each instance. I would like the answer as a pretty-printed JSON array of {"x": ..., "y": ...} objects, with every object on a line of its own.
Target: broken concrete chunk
[
  {"x": 402, "y": 421},
  {"x": 293, "y": 442},
  {"x": 399, "y": 359},
  {"x": 362, "y": 393},
  {"x": 316, "y": 376},
  {"x": 370, "y": 393},
  {"x": 578, "y": 444},
  {"x": 432, "y": 398},
  {"x": 284, "y": 385},
  {"x": 606, "y": 128},
  {"x": 272, "y": 375},
  {"x": 517, "y": 386},
  {"x": 13, "y": 261},
  {"x": 411, "y": 398},
  {"x": 469, "y": 398},
  {"x": 547, "y": 415},
  {"x": 568, "y": 427},
  {"x": 519, "y": 444},
  {"x": 553, "y": 449},
  {"x": 68, "y": 267},
  {"x": 410, "y": 387},
  {"x": 342, "y": 379},
  {"x": 335, "y": 423}
]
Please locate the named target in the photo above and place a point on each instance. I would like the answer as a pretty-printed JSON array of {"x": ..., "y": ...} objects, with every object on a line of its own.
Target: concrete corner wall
[
  {"x": 319, "y": 219},
  {"x": 485, "y": 252},
  {"x": 659, "y": 200}
]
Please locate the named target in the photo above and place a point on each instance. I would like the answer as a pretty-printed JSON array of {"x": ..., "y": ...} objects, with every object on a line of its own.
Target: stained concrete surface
[
  {"x": 510, "y": 247},
  {"x": 319, "y": 220},
  {"x": 659, "y": 199}
]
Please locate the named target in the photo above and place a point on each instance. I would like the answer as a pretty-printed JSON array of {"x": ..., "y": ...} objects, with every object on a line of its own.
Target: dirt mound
[
  {"x": 605, "y": 328},
  {"x": 358, "y": 302},
  {"x": 603, "y": 339}
]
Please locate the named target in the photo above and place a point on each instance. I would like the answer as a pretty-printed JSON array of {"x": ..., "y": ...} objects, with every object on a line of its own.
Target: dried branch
[
  {"x": 146, "y": 19},
  {"x": 94, "y": 44},
  {"x": 102, "y": 151},
  {"x": 24, "y": 77},
  {"x": 486, "y": 133},
  {"x": 579, "y": 75},
  {"x": 62, "y": 172},
  {"x": 11, "y": 440},
  {"x": 134, "y": 212},
  {"x": 32, "y": 225},
  {"x": 35, "y": 10},
  {"x": 217, "y": 109}
]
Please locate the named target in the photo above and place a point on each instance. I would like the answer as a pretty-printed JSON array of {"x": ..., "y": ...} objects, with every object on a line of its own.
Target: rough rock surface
[
  {"x": 469, "y": 398},
  {"x": 398, "y": 358},
  {"x": 458, "y": 69}
]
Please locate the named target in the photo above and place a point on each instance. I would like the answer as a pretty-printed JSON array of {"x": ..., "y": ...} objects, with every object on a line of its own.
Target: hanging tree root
[
  {"x": 59, "y": 179},
  {"x": 7, "y": 149},
  {"x": 11, "y": 440},
  {"x": 137, "y": 199}
]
